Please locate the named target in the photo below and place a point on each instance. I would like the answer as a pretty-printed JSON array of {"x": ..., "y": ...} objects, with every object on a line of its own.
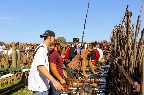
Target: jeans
[
  {"x": 41, "y": 93},
  {"x": 54, "y": 91}
]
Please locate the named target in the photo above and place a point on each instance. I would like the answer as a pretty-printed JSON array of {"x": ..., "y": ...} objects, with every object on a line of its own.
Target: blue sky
[{"x": 25, "y": 20}]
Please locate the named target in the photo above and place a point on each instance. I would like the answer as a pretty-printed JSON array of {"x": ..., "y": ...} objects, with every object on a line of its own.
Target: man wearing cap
[
  {"x": 56, "y": 65},
  {"x": 74, "y": 49},
  {"x": 39, "y": 76},
  {"x": 73, "y": 58}
]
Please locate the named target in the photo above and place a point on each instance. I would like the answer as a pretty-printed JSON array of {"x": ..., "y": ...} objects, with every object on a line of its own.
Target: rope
[{"x": 85, "y": 20}]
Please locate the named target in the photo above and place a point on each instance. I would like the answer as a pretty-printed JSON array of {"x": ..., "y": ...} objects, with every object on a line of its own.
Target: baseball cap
[
  {"x": 61, "y": 41},
  {"x": 48, "y": 33},
  {"x": 76, "y": 39}
]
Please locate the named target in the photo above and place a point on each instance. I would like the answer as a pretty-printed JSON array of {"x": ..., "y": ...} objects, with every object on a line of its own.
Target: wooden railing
[
  {"x": 126, "y": 72},
  {"x": 18, "y": 58},
  {"x": 11, "y": 82}
]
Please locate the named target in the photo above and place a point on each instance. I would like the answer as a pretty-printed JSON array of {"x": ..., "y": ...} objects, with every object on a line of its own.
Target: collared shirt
[{"x": 36, "y": 80}]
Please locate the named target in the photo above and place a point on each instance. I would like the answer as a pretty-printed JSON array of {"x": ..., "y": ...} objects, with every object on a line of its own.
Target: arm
[
  {"x": 53, "y": 67},
  {"x": 63, "y": 56},
  {"x": 54, "y": 71},
  {"x": 65, "y": 75},
  {"x": 56, "y": 74},
  {"x": 39, "y": 63},
  {"x": 83, "y": 67},
  {"x": 45, "y": 72}
]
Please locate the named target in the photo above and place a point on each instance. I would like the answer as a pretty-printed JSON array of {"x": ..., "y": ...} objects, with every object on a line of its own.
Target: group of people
[{"x": 53, "y": 56}]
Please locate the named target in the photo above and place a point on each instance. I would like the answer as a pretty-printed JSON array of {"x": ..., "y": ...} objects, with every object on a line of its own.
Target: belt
[{"x": 38, "y": 91}]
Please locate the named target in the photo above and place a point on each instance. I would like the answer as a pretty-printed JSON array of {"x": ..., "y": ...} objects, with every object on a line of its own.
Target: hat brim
[{"x": 63, "y": 45}]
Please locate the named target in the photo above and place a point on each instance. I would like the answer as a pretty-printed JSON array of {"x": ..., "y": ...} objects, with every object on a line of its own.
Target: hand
[
  {"x": 58, "y": 86},
  {"x": 86, "y": 75},
  {"x": 96, "y": 73},
  {"x": 66, "y": 77},
  {"x": 62, "y": 81},
  {"x": 63, "y": 56}
]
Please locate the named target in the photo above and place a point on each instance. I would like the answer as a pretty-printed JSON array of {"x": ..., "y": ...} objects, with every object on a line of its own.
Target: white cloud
[
  {"x": 4, "y": 18},
  {"x": 9, "y": 18}
]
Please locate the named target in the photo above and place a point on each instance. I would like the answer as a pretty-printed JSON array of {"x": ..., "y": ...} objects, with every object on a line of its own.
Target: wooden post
[
  {"x": 35, "y": 46},
  {"x": 18, "y": 64},
  {"x": 6, "y": 60},
  {"x": 0, "y": 63},
  {"x": 18, "y": 58},
  {"x": 31, "y": 56},
  {"x": 13, "y": 56},
  {"x": 3, "y": 62},
  {"x": 0, "y": 83},
  {"x": 24, "y": 58}
]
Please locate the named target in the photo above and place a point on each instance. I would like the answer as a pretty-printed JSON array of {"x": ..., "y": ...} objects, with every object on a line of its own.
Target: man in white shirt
[
  {"x": 1, "y": 49},
  {"x": 100, "y": 51},
  {"x": 27, "y": 50},
  {"x": 10, "y": 51},
  {"x": 39, "y": 76}
]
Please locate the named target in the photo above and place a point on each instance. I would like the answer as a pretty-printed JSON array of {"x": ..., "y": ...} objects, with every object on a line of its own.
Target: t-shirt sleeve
[
  {"x": 52, "y": 58},
  {"x": 39, "y": 57}
]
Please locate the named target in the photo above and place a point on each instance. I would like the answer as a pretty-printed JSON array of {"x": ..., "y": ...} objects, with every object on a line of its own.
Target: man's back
[{"x": 36, "y": 80}]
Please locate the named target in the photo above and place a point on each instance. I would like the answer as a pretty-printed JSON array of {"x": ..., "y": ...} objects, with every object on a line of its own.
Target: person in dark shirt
[
  {"x": 56, "y": 66},
  {"x": 74, "y": 49},
  {"x": 73, "y": 58}
]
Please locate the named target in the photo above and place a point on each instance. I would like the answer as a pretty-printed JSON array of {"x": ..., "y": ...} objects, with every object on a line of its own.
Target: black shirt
[
  {"x": 73, "y": 52},
  {"x": 93, "y": 55}
]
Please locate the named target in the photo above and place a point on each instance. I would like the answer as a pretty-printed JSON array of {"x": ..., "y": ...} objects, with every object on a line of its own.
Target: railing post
[
  {"x": 6, "y": 60},
  {"x": 0, "y": 64},
  {"x": 18, "y": 57},
  {"x": 13, "y": 56},
  {"x": 3, "y": 62}
]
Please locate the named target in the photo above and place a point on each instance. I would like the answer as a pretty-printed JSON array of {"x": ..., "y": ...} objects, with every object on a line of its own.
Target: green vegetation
[
  {"x": 1, "y": 43},
  {"x": 8, "y": 85},
  {"x": 23, "y": 91}
]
